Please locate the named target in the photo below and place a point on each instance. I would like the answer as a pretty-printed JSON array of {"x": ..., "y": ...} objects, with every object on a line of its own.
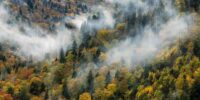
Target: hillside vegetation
[{"x": 174, "y": 74}]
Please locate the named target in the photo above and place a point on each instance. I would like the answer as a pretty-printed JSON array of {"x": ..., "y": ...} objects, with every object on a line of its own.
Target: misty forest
[{"x": 99, "y": 49}]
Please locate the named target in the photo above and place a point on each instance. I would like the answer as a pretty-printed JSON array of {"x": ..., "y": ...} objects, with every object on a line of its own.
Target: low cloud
[{"x": 164, "y": 29}]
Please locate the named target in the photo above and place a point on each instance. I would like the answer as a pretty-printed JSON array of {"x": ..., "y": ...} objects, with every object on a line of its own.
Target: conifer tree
[
  {"x": 62, "y": 56},
  {"x": 65, "y": 91}
]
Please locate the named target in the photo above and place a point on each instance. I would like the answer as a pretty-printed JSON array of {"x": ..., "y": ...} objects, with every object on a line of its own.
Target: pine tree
[
  {"x": 74, "y": 74},
  {"x": 196, "y": 49},
  {"x": 108, "y": 78},
  {"x": 74, "y": 48},
  {"x": 65, "y": 91},
  {"x": 62, "y": 56},
  {"x": 46, "y": 97},
  {"x": 117, "y": 74},
  {"x": 30, "y": 3},
  {"x": 23, "y": 94},
  {"x": 90, "y": 82}
]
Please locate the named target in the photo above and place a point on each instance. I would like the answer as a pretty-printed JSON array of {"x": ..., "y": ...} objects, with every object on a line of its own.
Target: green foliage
[
  {"x": 70, "y": 57},
  {"x": 61, "y": 71},
  {"x": 23, "y": 95}
]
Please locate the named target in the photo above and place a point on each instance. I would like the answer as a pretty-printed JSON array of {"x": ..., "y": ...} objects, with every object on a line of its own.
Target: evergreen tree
[
  {"x": 65, "y": 91},
  {"x": 62, "y": 56},
  {"x": 23, "y": 94},
  {"x": 195, "y": 91},
  {"x": 90, "y": 82},
  {"x": 74, "y": 74},
  {"x": 196, "y": 49},
  {"x": 117, "y": 74},
  {"x": 96, "y": 56},
  {"x": 46, "y": 97},
  {"x": 30, "y": 4},
  {"x": 74, "y": 48},
  {"x": 108, "y": 78}
]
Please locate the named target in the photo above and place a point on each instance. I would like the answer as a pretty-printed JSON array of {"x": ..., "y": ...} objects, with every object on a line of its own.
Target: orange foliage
[
  {"x": 26, "y": 73},
  {"x": 5, "y": 96}
]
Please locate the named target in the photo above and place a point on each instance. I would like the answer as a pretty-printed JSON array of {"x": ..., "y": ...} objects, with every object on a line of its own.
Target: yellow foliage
[
  {"x": 167, "y": 53},
  {"x": 178, "y": 61},
  {"x": 100, "y": 81},
  {"x": 93, "y": 50},
  {"x": 73, "y": 86},
  {"x": 189, "y": 80},
  {"x": 7, "y": 85},
  {"x": 140, "y": 87},
  {"x": 152, "y": 76},
  {"x": 103, "y": 56},
  {"x": 36, "y": 79},
  {"x": 103, "y": 33},
  {"x": 112, "y": 87},
  {"x": 125, "y": 73},
  {"x": 99, "y": 93},
  {"x": 179, "y": 82},
  {"x": 147, "y": 90},
  {"x": 194, "y": 63},
  {"x": 57, "y": 90},
  {"x": 107, "y": 93},
  {"x": 197, "y": 73},
  {"x": 85, "y": 96},
  {"x": 17, "y": 89},
  {"x": 190, "y": 46},
  {"x": 121, "y": 26},
  {"x": 36, "y": 98}
]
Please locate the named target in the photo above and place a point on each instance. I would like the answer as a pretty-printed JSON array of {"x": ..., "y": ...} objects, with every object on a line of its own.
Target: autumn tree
[
  {"x": 85, "y": 96},
  {"x": 181, "y": 4},
  {"x": 60, "y": 72},
  {"x": 36, "y": 86},
  {"x": 121, "y": 26}
]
